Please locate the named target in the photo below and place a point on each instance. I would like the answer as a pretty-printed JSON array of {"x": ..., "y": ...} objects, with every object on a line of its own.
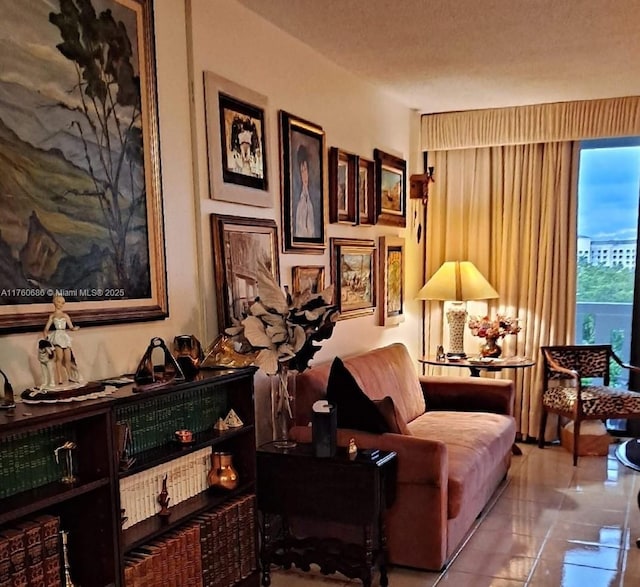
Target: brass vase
[{"x": 222, "y": 473}]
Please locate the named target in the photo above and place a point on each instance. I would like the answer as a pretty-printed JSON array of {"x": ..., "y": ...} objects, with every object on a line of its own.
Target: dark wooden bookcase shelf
[{"x": 89, "y": 509}]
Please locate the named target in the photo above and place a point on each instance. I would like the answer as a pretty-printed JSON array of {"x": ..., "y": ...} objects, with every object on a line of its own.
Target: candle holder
[
  {"x": 68, "y": 464},
  {"x": 68, "y": 582}
]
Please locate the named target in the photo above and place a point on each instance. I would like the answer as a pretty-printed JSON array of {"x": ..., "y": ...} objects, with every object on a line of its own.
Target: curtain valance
[{"x": 540, "y": 123}]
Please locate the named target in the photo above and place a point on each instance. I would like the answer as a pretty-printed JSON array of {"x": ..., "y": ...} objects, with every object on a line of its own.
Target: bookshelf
[{"x": 100, "y": 549}]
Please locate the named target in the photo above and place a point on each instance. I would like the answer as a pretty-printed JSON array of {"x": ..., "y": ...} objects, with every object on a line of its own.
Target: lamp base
[{"x": 456, "y": 317}]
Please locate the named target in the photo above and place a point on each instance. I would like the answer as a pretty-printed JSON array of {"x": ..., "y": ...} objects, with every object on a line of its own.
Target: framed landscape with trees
[{"x": 80, "y": 188}]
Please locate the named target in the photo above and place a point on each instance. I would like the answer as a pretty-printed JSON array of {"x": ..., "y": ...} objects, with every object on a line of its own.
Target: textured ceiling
[{"x": 447, "y": 55}]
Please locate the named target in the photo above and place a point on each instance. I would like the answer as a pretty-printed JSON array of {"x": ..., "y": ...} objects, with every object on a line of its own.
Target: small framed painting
[
  {"x": 302, "y": 155},
  {"x": 353, "y": 272},
  {"x": 236, "y": 142},
  {"x": 238, "y": 245},
  {"x": 343, "y": 183},
  {"x": 307, "y": 278},
  {"x": 366, "y": 191},
  {"x": 391, "y": 182},
  {"x": 391, "y": 280}
]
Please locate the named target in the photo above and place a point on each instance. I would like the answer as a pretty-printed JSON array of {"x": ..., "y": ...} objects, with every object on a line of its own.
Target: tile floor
[{"x": 553, "y": 525}]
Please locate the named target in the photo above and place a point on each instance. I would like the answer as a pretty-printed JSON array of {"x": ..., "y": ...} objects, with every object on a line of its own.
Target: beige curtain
[
  {"x": 505, "y": 198},
  {"x": 510, "y": 210}
]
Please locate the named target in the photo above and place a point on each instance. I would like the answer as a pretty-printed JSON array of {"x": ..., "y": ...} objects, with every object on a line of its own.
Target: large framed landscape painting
[{"x": 80, "y": 187}]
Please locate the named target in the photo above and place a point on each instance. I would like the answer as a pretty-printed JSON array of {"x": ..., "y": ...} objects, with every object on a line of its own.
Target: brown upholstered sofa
[{"x": 457, "y": 452}]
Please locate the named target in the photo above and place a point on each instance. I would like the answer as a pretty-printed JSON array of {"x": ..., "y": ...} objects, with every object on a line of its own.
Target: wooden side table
[{"x": 295, "y": 483}]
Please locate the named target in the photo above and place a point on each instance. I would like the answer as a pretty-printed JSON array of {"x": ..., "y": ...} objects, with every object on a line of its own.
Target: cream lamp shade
[{"x": 457, "y": 281}]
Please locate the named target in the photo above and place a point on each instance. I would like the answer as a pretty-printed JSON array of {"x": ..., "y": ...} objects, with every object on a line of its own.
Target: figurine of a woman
[{"x": 61, "y": 341}]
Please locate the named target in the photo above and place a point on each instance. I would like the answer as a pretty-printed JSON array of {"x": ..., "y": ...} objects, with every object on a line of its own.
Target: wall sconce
[{"x": 419, "y": 185}]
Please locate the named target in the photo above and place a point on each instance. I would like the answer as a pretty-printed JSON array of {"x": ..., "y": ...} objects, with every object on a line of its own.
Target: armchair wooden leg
[
  {"x": 576, "y": 440},
  {"x": 543, "y": 426}
]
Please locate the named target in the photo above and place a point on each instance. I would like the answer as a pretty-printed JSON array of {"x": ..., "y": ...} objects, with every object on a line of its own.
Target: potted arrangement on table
[
  {"x": 492, "y": 329},
  {"x": 282, "y": 336}
]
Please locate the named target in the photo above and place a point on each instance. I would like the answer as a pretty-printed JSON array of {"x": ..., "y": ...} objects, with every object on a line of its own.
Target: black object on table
[
  {"x": 628, "y": 453},
  {"x": 295, "y": 484}
]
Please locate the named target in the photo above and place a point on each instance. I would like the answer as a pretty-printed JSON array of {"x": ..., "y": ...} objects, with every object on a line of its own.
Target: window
[{"x": 608, "y": 188}]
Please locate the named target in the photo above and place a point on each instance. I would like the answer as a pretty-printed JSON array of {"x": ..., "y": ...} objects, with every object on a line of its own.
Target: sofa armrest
[
  {"x": 468, "y": 394},
  {"x": 420, "y": 461}
]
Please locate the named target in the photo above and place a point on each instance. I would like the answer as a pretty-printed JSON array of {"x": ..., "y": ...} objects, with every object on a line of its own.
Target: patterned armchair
[{"x": 572, "y": 398}]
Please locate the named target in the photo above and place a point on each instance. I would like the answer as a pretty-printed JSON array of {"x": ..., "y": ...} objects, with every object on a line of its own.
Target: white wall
[{"x": 230, "y": 41}]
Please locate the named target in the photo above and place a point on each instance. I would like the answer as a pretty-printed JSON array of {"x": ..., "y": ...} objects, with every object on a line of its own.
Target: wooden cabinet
[
  {"x": 89, "y": 509},
  {"x": 349, "y": 491}
]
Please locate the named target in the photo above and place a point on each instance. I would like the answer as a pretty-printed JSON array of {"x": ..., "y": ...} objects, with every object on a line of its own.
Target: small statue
[
  {"x": 46, "y": 358},
  {"x": 65, "y": 365},
  {"x": 164, "y": 499},
  {"x": 353, "y": 449}
]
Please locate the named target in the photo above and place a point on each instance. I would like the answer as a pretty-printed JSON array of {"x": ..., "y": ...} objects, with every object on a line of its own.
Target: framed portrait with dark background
[{"x": 302, "y": 154}]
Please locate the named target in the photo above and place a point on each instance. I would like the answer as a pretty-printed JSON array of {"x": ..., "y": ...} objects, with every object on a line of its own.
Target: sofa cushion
[
  {"x": 390, "y": 371},
  {"x": 475, "y": 441},
  {"x": 354, "y": 409},
  {"x": 394, "y": 420}
]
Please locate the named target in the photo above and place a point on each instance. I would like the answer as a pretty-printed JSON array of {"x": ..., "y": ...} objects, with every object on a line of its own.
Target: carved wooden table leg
[
  {"x": 265, "y": 551},
  {"x": 384, "y": 579},
  {"x": 367, "y": 571}
]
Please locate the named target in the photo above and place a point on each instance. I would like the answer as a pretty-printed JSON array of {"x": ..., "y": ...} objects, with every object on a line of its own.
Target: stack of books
[
  {"x": 217, "y": 549},
  {"x": 30, "y": 554},
  {"x": 154, "y": 421},
  {"x": 27, "y": 459},
  {"x": 186, "y": 477},
  {"x": 173, "y": 560}
]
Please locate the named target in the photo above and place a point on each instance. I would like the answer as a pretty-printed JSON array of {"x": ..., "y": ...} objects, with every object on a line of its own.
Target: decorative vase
[
  {"x": 491, "y": 348},
  {"x": 282, "y": 406},
  {"x": 222, "y": 473}
]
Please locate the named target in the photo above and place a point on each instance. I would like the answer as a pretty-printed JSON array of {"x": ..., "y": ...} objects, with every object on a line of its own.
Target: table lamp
[{"x": 457, "y": 282}]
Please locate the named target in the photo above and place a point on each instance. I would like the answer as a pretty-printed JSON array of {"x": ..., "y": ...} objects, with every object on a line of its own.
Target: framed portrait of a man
[{"x": 303, "y": 185}]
